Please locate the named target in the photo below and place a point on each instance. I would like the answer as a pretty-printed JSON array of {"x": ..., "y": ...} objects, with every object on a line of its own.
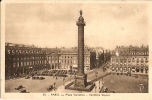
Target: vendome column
[{"x": 81, "y": 77}]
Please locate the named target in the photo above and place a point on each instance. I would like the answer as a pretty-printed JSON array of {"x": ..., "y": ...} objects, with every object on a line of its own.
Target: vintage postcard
[{"x": 76, "y": 49}]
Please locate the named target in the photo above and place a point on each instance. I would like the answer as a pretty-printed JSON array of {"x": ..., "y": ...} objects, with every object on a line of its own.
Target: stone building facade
[
  {"x": 52, "y": 57},
  {"x": 132, "y": 60},
  {"x": 22, "y": 59},
  {"x": 67, "y": 59}
]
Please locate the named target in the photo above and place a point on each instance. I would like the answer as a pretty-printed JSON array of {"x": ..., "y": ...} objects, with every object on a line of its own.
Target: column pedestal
[{"x": 80, "y": 81}]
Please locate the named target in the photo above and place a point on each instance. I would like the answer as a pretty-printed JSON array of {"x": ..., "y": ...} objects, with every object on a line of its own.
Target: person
[
  {"x": 104, "y": 89},
  {"x": 103, "y": 83}
]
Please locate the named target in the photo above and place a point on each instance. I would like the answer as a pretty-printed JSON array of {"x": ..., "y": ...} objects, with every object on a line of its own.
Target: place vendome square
[{"x": 75, "y": 48}]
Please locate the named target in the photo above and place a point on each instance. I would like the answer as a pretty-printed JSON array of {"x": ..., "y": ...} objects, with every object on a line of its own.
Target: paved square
[
  {"x": 117, "y": 83},
  {"x": 126, "y": 84}
]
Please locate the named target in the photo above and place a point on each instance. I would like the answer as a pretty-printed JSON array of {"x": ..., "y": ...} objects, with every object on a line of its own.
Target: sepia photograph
[{"x": 79, "y": 48}]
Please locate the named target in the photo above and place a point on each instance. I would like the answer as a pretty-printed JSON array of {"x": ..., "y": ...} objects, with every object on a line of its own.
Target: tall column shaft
[
  {"x": 81, "y": 78},
  {"x": 80, "y": 50}
]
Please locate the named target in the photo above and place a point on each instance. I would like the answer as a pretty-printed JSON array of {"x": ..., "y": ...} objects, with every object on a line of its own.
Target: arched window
[{"x": 125, "y": 69}]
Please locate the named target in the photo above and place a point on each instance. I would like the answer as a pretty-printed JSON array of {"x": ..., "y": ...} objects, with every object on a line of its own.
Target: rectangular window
[
  {"x": 146, "y": 70},
  {"x": 24, "y": 63},
  {"x": 18, "y": 64},
  {"x": 137, "y": 70},
  {"x": 13, "y": 64},
  {"x": 128, "y": 60},
  {"x": 146, "y": 60},
  {"x": 121, "y": 60},
  {"x": 142, "y": 70},
  {"x": 21, "y": 64},
  {"x": 125, "y": 60}
]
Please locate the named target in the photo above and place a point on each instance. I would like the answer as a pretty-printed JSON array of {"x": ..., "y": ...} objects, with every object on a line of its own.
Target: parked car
[
  {"x": 19, "y": 87},
  {"x": 41, "y": 78},
  {"x": 128, "y": 74},
  {"x": 24, "y": 91},
  {"x": 112, "y": 91},
  {"x": 37, "y": 77},
  {"x": 50, "y": 88},
  {"x": 34, "y": 77},
  {"x": 63, "y": 75},
  {"x": 27, "y": 77}
]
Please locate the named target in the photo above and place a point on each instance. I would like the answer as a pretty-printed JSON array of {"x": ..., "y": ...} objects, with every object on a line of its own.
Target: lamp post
[
  {"x": 63, "y": 80},
  {"x": 54, "y": 87},
  {"x": 96, "y": 75},
  {"x": 99, "y": 84},
  {"x": 75, "y": 75},
  {"x": 147, "y": 79},
  {"x": 102, "y": 81},
  {"x": 95, "y": 88},
  {"x": 141, "y": 87}
]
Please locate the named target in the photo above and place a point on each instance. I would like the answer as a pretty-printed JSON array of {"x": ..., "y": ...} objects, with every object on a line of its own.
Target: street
[
  {"x": 116, "y": 83},
  {"x": 40, "y": 86}
]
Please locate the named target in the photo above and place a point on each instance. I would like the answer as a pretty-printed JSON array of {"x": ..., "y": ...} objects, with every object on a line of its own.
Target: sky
[{"x": 54, "y": 24}]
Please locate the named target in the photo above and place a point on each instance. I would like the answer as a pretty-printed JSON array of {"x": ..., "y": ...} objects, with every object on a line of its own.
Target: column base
[{"x": 80, "y": 81}]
